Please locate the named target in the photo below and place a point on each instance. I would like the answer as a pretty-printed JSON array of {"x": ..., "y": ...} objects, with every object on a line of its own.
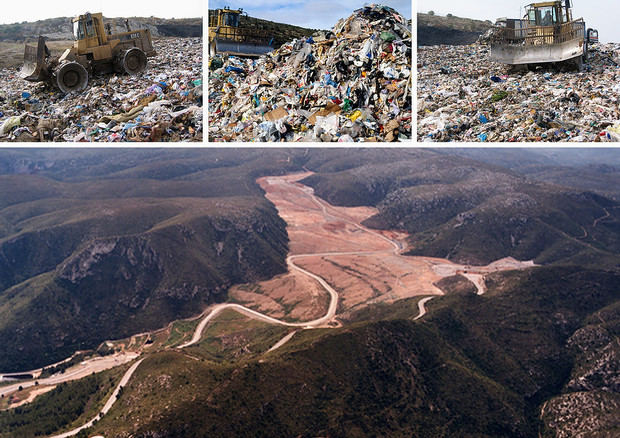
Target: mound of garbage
[
  {"x": 350, "y": 84},
  {"x": 463, "y": 96},
  {"x": 162, "y": 104}
]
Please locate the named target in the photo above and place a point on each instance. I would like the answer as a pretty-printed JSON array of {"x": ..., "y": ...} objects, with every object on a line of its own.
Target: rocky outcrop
[
  {"x": 112, "y": 287},
  {"x": 590, "y": 403}
]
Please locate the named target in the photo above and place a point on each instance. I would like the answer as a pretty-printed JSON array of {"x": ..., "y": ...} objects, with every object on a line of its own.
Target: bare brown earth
[
  {"x": 365, "y": 269},
  {"x": 27, "y": 396},
  {"x": 364, "y": 266}
]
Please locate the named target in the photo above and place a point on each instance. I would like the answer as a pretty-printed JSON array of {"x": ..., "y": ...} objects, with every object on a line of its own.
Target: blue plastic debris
[{"x": 234, "y": 69}]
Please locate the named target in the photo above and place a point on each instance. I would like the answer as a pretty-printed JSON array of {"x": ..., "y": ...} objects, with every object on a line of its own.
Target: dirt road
[
  {"x": 328, "y": 212},
  {"x": 108, "y": 404},
  {"x": 422, "y": 308},
  {"x": 79, "y": 371},
  {"x": 331, "y": 241}
]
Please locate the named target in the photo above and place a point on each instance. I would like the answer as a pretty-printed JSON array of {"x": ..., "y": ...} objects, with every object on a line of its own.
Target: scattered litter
[
  {"x": 351, "y": 84},
  {"x": 463, "y": 96},
  {"x": 164, "y": 103}
]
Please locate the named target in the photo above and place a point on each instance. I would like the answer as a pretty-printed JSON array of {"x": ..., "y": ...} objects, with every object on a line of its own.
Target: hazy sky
[
  {"x": 41, "y": 9},
  {"x": 598, "y": 14},
  {"x": 315, "y": 14}
]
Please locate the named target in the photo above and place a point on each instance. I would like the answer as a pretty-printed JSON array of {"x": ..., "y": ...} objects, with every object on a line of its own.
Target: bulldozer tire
[
  {"x": 212, "y": 49},
  {"x": 71, "y": 76},
  {"x": 133, "y": 61}
]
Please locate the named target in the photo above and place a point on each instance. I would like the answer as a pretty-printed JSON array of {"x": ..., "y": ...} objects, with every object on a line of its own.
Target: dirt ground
[
  {"x": 364, "y": 266},
  {"x": 275, "y": 298},
  {"x": 361, "y": 264}
]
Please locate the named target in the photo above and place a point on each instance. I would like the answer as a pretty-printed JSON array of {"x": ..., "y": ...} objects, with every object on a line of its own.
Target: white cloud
[{"x": 316, "y": 14}]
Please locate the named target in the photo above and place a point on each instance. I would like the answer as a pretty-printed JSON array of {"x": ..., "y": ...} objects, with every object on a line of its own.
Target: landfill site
[
  {"x": 462, "y": 96},
  {"x": 352, "y": 83},
  {"x": 163, "y": 103}
]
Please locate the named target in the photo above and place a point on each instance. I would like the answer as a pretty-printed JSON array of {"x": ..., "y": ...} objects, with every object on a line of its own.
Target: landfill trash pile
[
  {"x": 463, "y": 96},
  {"x": 164, "y": 103},
  {"x": 350, "y": 84}
]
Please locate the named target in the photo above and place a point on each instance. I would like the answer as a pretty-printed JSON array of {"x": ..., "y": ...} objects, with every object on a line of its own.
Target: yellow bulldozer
[
  {"x": 94, "y": 51},
  {"x": 547, "y": 33},
  {"x": 227, "y": 37}
]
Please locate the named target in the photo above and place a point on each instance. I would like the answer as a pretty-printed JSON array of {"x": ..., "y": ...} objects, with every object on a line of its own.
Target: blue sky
[
  {"x": 315, "y": 14},
  {"x": 598, "y": 14}
]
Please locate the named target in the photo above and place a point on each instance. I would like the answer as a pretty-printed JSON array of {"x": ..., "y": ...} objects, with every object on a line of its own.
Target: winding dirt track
[
  {"x": 108, "y": 404},
  {"x": 324, "y": 321},
  {"x": 439, "y": 267},
  {"x": 80, "y": 371}
]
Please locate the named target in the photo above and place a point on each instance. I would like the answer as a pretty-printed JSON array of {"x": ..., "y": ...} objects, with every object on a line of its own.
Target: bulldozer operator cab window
[
  {"x": 544, "y": 16},
  {"x": 78, "y": 30},
  {"x": 90, "y": 28},
  {"x": 231, "y": 20}
]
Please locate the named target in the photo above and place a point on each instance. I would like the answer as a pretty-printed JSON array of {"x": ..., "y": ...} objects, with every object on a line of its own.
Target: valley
[
  {"x": 329, "y": 246},
  {"x": 311, "y": 292}
]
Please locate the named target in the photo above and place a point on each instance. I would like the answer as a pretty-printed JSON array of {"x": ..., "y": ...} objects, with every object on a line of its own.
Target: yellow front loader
[{"x": 94, "y": 51}]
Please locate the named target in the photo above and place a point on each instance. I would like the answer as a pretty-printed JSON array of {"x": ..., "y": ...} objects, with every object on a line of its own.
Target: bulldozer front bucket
[
  {"x": 241, "y": 48},
  {"x": 35, "y": 68}
]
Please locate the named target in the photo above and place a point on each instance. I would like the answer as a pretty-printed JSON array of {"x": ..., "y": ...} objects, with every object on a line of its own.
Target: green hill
[
  {"x": 475, "y": 213},
  {"x": 478, "y": 366},
  {"x": 103, "y": 243},
  {"x": 450, "y": 30},
  {"x": 120, "y": 252}
]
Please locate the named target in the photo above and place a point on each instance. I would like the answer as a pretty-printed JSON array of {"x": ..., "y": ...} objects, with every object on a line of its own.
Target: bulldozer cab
[
  {"x": 548, "y": 33},
  {"x": 227, "y": 36},
  {"x": 548, "y": 13},
  {"x": 90, "y": 36},
  {"x": 229, "y": 18}
]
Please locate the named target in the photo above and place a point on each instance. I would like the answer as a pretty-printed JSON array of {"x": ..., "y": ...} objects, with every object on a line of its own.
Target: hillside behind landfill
[
  {"x": 60, "y": 28},
  {"x": 352, "y": 83}
]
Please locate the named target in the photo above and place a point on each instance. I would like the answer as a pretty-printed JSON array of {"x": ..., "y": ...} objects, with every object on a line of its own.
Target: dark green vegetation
[
  {"x": 61, "y": 407},
  {"x": 472, "y": 212},
  {"x": 129, "y": 242},
  {"x": 457, "y": 284},
  {"x": 593, "y": 169},
  {"x": 281, "y": 32},
  {"x": 476, "y": 366},
  {"x": 435, "y": 30}
]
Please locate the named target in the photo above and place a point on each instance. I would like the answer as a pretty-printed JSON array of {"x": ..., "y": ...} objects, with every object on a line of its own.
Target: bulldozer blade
[
  {"x": 34, "y": 68},
  {"x": 241, "y": 48}
]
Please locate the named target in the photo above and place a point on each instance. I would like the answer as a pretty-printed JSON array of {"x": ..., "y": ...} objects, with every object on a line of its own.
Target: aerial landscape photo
[
  {"x": 309, "y": 292},
  {"x": 87, "y": 71},
  {"x": 319, "y": 71},
  {"x": 516, "y": 71}
]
